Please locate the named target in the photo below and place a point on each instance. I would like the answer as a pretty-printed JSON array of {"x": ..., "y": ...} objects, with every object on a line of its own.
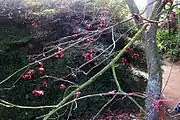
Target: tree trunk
[
  {"x": 153, "y": 89},
  {"x": 154, "y": 85}
]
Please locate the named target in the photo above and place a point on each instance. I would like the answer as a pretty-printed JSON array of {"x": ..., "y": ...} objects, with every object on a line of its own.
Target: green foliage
[
  {"x": 116, "y": 6},
  {"x": 169, "y": 44}
]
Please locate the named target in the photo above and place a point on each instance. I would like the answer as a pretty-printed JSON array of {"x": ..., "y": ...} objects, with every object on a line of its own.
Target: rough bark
[
  {"x": 153, "y": 89},
  {"x": 154, "y": 85}
]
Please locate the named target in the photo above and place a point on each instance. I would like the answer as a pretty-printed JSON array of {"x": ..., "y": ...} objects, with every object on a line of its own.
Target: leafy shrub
[{"x": 169, "y": 44}]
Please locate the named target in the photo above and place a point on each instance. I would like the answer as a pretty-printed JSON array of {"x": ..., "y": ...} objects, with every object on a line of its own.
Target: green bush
[{"x": 169, "y": 44}]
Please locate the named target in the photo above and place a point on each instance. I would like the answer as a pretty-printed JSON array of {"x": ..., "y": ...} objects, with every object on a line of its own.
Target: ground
[{"x": 171, "y": 83}]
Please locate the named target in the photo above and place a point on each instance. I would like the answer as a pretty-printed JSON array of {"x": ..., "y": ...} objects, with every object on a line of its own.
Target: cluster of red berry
[
  {"x": 134, "y": 56},
  {"x": 88, "y": 56},
  {"x": 38, "y": 93},
  {"x": 88, "y": 26},
  {"x": 59, "y": 53},
  {"x": 123, "y": 60},
  {"x": 28, "y": 75},
  {"x": 129, "y": 49},
  {"x": 78, "y": 93},
  {"x": 102, "y": 23},
  {"x": 40, "y": 68},
  {"x": 62, "y": 86}
]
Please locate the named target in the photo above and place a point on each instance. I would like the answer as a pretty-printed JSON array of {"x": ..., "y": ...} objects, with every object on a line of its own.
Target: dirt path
[{"x": 172, "y": 89}]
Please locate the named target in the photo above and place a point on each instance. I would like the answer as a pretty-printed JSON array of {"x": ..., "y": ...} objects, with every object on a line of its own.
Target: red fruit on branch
[
  {"x": 88, "y": 26},
  {"x": 28, "y": 75},
  {"x": 135, "y": 56},
  {"x": 62, "y": 86},
  {"x": 41, "y": 70},
  {"x": 57, "y": 56},
  {"x": 124, "y": 60},
  {"x": 88, "y": 40},
  {"x": 59, "y": 53},
  {"x": 91, "y": 51},
  {"x": 84, "y": 56},
  {"x": 25, "y": 76},
  {"x": 30, "y": 72},
  {"x": 59, "y": 49},
  {"x": 78, "y": 94},
  {"x": 38, "y": 93},
  {"x": 129, "y": 49},
  {"x": 44, "y": 83},
  {"x": 88, "y": 56},
  {"x": 40, "y": 64},
  {"x": 87, "y": 60},
  {"x": 102, "y": 22},
  {"x": 91, "y": 56}
]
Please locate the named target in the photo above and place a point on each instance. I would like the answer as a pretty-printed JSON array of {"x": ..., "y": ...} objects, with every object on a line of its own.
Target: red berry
[
  {"x": 91, "y": 51},
  {"x": 40, "y": 64},
  {"x": 28, "y": 77},
  {"x": 78, "y": 94},
  {"x": 62, "y": 86},
  {"x": 59, "y": 49},
  {"x": 30, "y": 72},
  {"x": 61, "y": 55},
  {"x": 41, "y": 70},
  {"x": 102, "y": 21},
  {"x": 82, "y": 47},
  {"x": 123, "y": 60},
  {"x": 135, "y": 56},
  {"x": 91, "y": 56},
  {"x": 84, "y": 56},
  {"x": 37, "y": 93},
  {"x": 57, "y": 56},
  {"x": 129, "y": 49},
  {"x": 25, "y": 76},
  {"x": 88, "y": 40},
  {"x": 88, "y": 26},
  {"x": 87, "y": 60},
  {"x": 44, "y": 83}
]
